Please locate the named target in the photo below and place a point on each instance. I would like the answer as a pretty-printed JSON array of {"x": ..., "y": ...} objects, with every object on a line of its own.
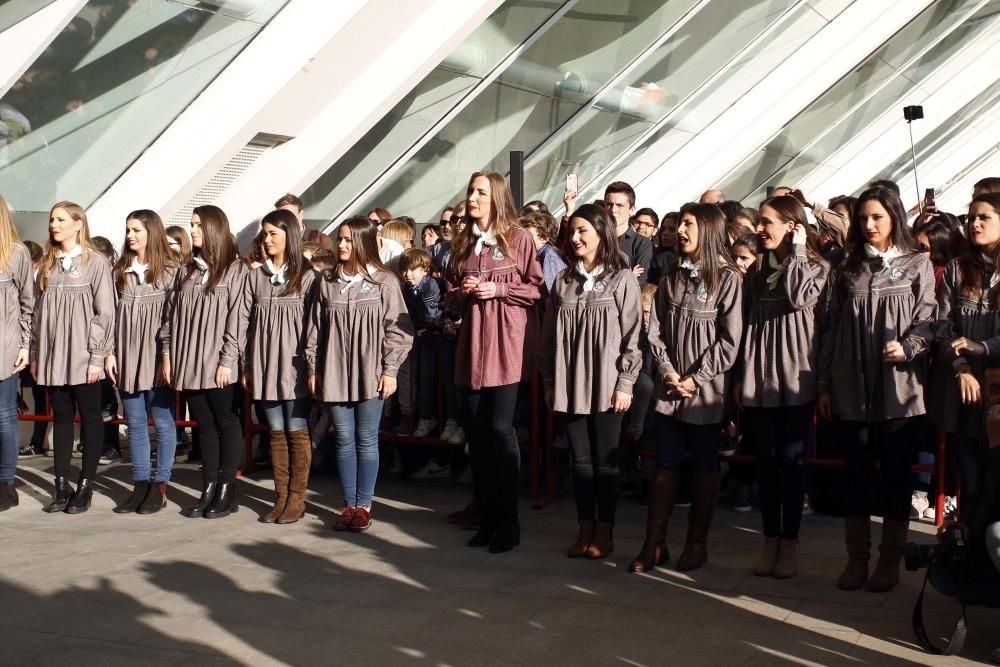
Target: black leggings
[
  {"x": 780, "y": 435},
  {"x": 674, "y": 437},
  {"x": 493, "y": 449},
  {"x": 594, "y": 441},
  {"x": 219, "y": 429},
  {"x": 65, "y": 402},
  {"x": 891, "y": 443}
]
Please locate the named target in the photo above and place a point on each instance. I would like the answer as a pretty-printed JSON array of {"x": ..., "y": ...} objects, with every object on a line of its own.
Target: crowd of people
[{"x": 666, "y": 330}]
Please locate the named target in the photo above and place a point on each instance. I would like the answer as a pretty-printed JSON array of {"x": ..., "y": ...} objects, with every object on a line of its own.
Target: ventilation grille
[{"x": 211, "y": 192}]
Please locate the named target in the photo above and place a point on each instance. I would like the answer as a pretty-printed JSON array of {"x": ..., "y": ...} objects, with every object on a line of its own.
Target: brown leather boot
[
  {"x": 279, "y": 465},
  {"x": 603, "y": 542},
  {"x": 704, "y": 494},
  {"x": 885, "y": 576},
  {"x": 584, "y": 535},
  {"x": 661, "y": 504},
  {"x": 300, "y": 453},
  {"x": 768, "y": 557},
  {"x": 858, "y": 538}
]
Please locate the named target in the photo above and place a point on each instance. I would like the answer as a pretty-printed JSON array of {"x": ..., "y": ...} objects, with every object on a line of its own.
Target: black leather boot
[
  {"x": 507, "y": 535},
  {"x": 8, "y": 496},
  {"x": 207, "y": 496},
  {"x": 81, "y": 499},
  {"x": 155, "y": 500},
  {"x": 224, "y": 503},
  {"x": 139, "y": 492},
  {"x": 60, "y": 496},
  {"x": 487, "y": 528}
]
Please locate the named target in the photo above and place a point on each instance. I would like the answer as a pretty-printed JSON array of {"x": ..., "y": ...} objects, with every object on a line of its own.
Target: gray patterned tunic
[
  {"x": 781, "y": 340},
  {"x": 17, "y": 298},
  {"x": 139, "y": 323},
  {"x": 356, "y": 335},
  {"x": 881, "y": 303},
  {"x": 590, "y": 341},
  {"x": 274, "y": 322},
  {"x": 196, "y": 327},
  {"x": 74, "y": 321},
  {"x": 695, "y": 333}
]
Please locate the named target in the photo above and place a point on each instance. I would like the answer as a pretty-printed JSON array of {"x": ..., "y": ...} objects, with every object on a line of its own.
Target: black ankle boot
[
  {"x": 139, "y": 492},
  {"x": 207, "y": 496},
  {"x": 60, "y": 496},
  {"x": 81, "y": 499},
  {"x": 155, "y": 500},
  {"x": 224, "y": 503},
  {"x": 8, "y": 496},
  {"x": 507, "y": 536},
  {"x": 487, "y": 528}
]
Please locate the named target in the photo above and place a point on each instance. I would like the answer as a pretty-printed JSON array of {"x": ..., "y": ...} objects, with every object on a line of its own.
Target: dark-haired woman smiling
[
  {"x": 272, "y": 312},
  {"x": 144, "y": 274},
  {"x": 872, "y": 372},
  {"x": 694, "y": 336},
  {"x": 357, "y": 336},
  {"x": 203, "y": 315},
  {"x": 590, "y": 360}
]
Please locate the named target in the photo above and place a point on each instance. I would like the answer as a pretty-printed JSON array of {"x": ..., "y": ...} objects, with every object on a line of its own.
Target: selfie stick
[{"x": 911, "y": 114}]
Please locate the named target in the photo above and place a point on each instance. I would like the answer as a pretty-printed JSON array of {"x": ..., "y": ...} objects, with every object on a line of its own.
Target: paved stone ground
[{"x": 104, "y": 589}]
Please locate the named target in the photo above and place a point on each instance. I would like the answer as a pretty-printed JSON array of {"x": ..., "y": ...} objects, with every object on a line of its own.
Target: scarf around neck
[
  {"x": 202, "y": 266},
  {"x": 277, "y": 273},
  {"x": 779, "y": 270},
  {"x": 892, "y": 253},
  {"x": 487, "y": 238},
  {"x": 349, "y": 280},
  {"x": 589, "y": 278},
  {"x": 66, "y": 258},
  {"x": 139, "y": 269}
]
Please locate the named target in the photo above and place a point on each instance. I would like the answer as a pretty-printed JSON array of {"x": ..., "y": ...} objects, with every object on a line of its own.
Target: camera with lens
[{"x": 949, "y": 553}]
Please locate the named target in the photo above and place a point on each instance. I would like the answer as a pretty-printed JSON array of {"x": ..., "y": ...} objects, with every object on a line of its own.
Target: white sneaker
[
  {"x": 930, "y": 513},
  {"x": 950, "y": 506},
  {"x": 918, "y": 505},
  {"x": 424, "y": 428},
  {"x": 457, "y": 437},
  {"x": 449, "y": 429},
  {"x": 431, "y": 471}
]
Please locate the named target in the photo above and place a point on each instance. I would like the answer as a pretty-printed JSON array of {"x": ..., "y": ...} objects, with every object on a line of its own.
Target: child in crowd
[
  {"x": 543, "y": 229},
  {"x": 112, "y": 450},
  {"x": 423, "y": 300}
]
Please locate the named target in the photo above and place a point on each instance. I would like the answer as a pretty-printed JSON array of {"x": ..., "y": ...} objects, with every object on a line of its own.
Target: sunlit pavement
[{"x": 107, "y": 589}]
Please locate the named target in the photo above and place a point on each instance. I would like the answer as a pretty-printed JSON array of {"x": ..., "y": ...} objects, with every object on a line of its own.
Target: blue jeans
[
  {"x": 356, "y": 426},
  {"x": 160, "y": 403},
  {"x": 10, "y": 430},
  {"x": 286, "y": 415}
]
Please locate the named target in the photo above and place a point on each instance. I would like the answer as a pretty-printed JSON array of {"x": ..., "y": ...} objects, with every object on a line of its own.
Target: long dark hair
[
  {"x": 179, "y": 234},
  {"x": 941, "y": 238},
  {"x": 364, "y": 240},
  {"x": 609, "y": 255},
  {"x": 503, "y": 219},
  {"x": 218, "y": 247},
  {"x": 900, "y": 235},
  {"x": 286, "y": 221},
  {"x": 713, "y": 246},
  {"x": 970, "y": 263},
  {"x": 158, "y": 254}
]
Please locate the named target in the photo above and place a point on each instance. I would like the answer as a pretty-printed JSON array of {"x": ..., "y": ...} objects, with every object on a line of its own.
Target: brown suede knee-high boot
[
  {"x": 300, "y": 450},
  {"x": 661, "y": 506},
  {"x": 704, "y": 494},
  {"x": 279, "y": 465}
]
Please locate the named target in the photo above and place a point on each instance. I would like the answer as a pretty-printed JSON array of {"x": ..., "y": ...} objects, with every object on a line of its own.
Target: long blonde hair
[
  {"x": 8, "y": 235},
  {"x": 503, "y": 218},
  {"x": 83, "y": 240}
]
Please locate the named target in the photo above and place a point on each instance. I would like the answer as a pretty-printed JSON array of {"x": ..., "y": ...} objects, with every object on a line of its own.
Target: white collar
[
  {"x": 690, "y": 267},
  {"x": 890, "y": 254},
  {"x": 139, "y": 269},
  {"x": 202, "y": 266},
  {"x": 66, "y": 258},
  {"x": 277, "y": 274},
  {"x": 350, "y": 280},
  {"x": 487, "y": 238},
  {"x": 779, "y": 269},
  {"x": 589, "y": 278}
]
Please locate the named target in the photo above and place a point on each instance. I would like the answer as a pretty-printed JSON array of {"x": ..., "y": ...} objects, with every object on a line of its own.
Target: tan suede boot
[
  {"x": 768, "y": 557},
  {"x": 787, "y": 565},
  {"x": 885, "y": 576},
  {"x": 300, "y": 451},
  {"x": 858, "y": 538},
  {"x": 279, "y": 466}
]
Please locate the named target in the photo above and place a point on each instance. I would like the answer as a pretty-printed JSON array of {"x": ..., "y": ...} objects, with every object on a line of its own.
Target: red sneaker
[
  {"x": 362, "y": 520},
  {"x": 346, "y": 518}
]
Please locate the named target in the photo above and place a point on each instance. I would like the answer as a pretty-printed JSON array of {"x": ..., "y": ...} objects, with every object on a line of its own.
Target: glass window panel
[
  {"x": 843, "y": 111},
  {"x": 107, "y": 86},
  {"x": 537, "y": 94},
  {"x": 431, "y": 100},
  {"x": 699, "y": 49},
  {"x": 15, "y": 11}
]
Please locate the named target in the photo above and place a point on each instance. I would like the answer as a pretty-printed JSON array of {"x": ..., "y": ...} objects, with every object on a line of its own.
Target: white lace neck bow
[
  {"x": 589, "y": 278},
  {"x": 487, "y": 238},
  {"x": 892, "y": 253},
  {"x": 349, "y": 280},
  {"x": 690, "y": 267},
  {"x": 203, "y": 267},
  {"x": 66, "y": 258},
  {"x": 277, "y": 273},
  {"x": 139, "y": 269}
]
